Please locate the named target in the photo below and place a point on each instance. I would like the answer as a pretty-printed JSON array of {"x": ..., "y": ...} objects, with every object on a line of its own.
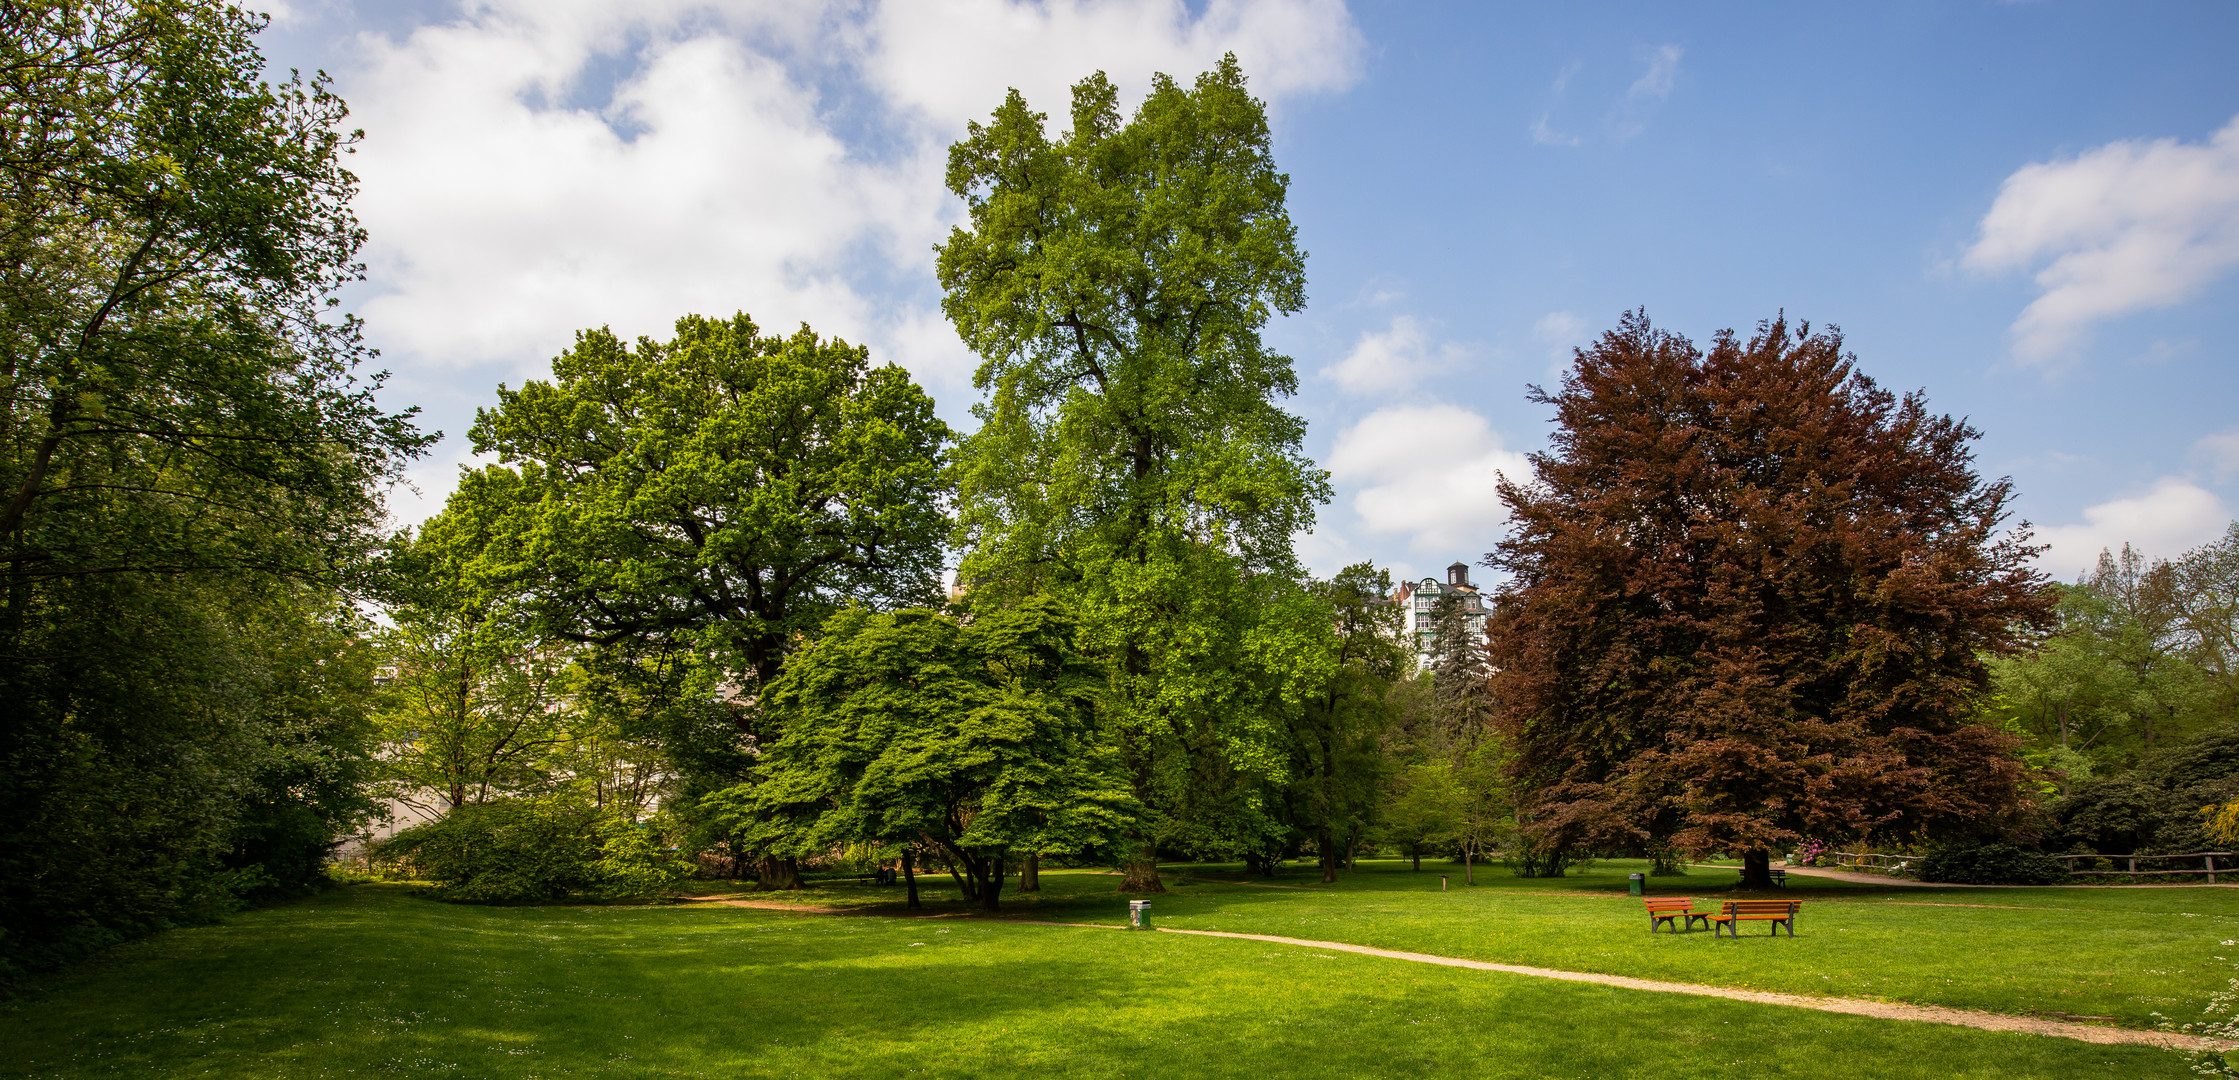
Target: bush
[
  {"x": 2155, "y": 808},
  {"x": 535, "y": 849},
  {"x": 1990, "y": 864}
]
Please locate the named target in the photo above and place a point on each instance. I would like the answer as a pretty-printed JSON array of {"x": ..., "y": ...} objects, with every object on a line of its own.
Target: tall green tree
[
  {"x": 1132, "y": 459},
  {"x": 2119, "y": 675},
  {"x": 1338, "y": 764},
  {"x": 474, "y": 703},
  {"x": 978, "y": 737},
  {"x": 1752, "y": 596},
  {"x": 187, "y": 443},
  {"x": 703, "y": 504}
]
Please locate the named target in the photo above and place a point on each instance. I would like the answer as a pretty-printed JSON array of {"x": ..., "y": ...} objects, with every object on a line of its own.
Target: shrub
[
  {"x": 2156, "y": 807},
  {"x": 535, "y": 849},
  {"x": 1990, "y": 864}
]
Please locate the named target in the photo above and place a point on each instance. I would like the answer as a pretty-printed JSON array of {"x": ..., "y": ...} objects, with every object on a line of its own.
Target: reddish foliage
[{"x": 1752, "y": 594}]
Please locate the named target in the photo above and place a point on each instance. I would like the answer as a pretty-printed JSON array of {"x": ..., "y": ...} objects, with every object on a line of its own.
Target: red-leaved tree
[{"x": 1751, "y": 597}]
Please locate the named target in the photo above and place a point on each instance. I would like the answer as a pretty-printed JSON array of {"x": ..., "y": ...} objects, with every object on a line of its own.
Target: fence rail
[
  {"x": 2130, "y": 863},
  {"x": 1869, "y": 861}
]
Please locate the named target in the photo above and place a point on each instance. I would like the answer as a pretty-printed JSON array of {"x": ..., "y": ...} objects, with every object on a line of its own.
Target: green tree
[
  {"x": 2119, "y": 675},
  {"x": 700, "y": 506},
  {"x": 1423, "y": 809},
  {"x": 1131, "y": 459},
  {"x": 978, "y": 737},
  {"x": 2207, "y": 596},
  {"x": 475, "y": 705},
  {"x": 187, "y": 444},
  {"x": 1337, "y": 760}
]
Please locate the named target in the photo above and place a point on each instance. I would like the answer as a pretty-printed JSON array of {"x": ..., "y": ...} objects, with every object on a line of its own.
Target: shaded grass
[
  {"x": 370, "y": 981},
  {"x": 2119, "y": 954}
]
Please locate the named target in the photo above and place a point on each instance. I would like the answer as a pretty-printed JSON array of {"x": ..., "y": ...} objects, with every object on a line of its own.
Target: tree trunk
[
  {"x": 909, "y": 875},
  {"x": 991, "y": 893},
  {"x": 1328, "y": 845},
  {"x": 1756, "y": 869},
  {"x": 1469, "y": 868},
  {"x": 1030, "y": 878},
  {"x": 1142, "y": 872},
  {"x": 1352, "y": 845},
  {"x": 778, "y": 874},
  {"x": 1417, "y": 851},
  {"x": 2060, "y": 716},
  {"x": 964, "y": 884}
]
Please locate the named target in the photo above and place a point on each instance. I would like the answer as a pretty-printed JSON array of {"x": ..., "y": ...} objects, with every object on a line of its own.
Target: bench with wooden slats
[
  {"x": 1668, "y": 910},
  {"x": 1736, "y": 912}
]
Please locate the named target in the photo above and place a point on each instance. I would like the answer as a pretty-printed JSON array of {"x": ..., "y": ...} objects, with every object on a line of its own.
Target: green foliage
[
  {"x": 980, "y": 737},
  {"x": 1423, "y": 810},
  {"x": 1990, "y": 864},
  {"x": 2157, "y": 807},
  {"x": 2132, "y": 664},
  {"x": 212, "y": 746},
  {"x": 190, "y": 462},
  {"x": 688, "y": 512},
  {"x": 535, "y": 849},
  {"x": 1131, "y": 461},
  {"x": 475, "y": 706},
  {"x": 1337, "y": 757},
  {"x": 722, "y": 492}
]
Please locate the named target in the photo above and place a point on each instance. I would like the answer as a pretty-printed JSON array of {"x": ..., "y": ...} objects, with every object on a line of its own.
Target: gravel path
[{"x": 1882, "y": 1010}]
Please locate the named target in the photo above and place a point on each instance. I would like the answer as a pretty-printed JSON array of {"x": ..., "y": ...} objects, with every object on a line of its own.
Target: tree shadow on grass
[{"x": 379, "y": 984}]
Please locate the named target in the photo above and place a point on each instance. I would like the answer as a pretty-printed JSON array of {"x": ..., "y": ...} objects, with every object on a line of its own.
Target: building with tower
[{"x": 1417, "y": 598}]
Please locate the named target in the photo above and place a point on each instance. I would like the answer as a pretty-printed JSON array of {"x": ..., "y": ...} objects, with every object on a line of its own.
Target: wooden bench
[
  {"x": 1735, "y": 912},
  {"x": 1668, "y": 909}
]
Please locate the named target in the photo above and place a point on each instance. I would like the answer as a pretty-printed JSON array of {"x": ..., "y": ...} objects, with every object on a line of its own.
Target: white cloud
[
  {"x": 1543, "y": 133},
  {"x": 1547, "y": 136},
  {"x": 2128, "y": 226},
  {"x": 2219, "y": 452},
  {"x": 1561, "y": 331},
  {"x": 1394, "y": 360},
  {"x": 954, "y": 59},
  {"x": 1427, "y": 472},
  {"x": 1655, "y": 83},
  {"x": 2166, "y": 520},
  {"x": 1647, "y": 92}
]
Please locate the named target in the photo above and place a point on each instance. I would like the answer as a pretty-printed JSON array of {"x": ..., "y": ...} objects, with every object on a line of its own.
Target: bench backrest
[
  {"x": 1762, "y": 907},
  {"x": 1669, "y": 901}
]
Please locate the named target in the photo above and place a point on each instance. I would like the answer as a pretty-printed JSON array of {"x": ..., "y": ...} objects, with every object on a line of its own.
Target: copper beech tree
[{"x": 1752, "y": 596}]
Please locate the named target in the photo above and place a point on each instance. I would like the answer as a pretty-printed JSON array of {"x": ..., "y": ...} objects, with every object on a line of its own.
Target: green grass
[
  {"x": 371, "y": 981},
  {"x": 2120, "y": 954}
]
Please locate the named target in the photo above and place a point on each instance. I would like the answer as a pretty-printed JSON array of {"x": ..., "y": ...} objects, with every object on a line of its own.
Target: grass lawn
[
  {"x": 371, "y": 981},
  {"x": 2113, "y": 954}
]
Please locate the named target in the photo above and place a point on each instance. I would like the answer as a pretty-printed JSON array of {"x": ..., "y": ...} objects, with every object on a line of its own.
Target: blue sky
[{"x": 2024, "y": 209}]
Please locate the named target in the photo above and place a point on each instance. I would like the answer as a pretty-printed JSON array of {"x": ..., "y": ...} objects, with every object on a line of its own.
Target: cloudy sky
[{"x": 2029, "y": 210}]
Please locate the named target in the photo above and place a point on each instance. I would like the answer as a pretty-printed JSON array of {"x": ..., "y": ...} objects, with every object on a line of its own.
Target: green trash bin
[{"x": 1639, "y": 883}]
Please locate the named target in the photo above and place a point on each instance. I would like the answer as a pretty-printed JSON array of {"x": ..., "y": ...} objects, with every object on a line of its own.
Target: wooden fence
[{"x": 2130, "y": 863}]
